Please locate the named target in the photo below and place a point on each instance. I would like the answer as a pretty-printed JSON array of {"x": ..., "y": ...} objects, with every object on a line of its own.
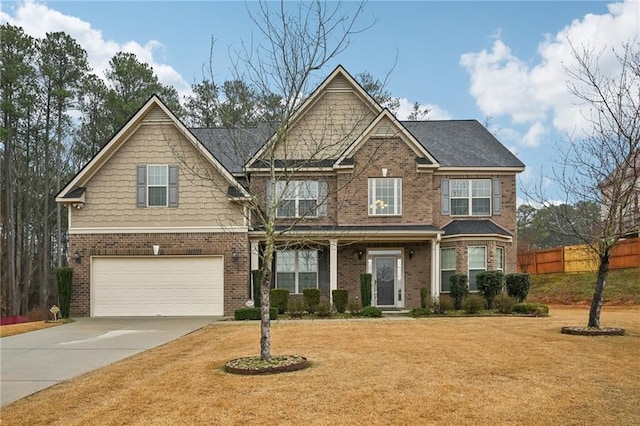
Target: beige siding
[
  {"x": 328, "y": 127},
  {"x": 111, "y": 192}
]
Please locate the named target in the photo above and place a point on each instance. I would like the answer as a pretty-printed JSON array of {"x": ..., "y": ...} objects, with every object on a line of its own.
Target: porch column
[
  {"x": 254, "y": 262},
  {"x": 435, "y": 268},
  {"x": 333, "y": 267}
]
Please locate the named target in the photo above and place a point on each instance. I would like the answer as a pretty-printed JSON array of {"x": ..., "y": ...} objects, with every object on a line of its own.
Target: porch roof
[{"x": 354, "y": 232}]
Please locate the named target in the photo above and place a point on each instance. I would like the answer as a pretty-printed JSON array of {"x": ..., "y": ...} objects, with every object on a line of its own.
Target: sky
[{"x": 501, "y": 61}]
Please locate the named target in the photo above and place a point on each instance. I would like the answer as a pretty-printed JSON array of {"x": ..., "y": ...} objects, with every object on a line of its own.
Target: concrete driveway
[{"x": 34, "y": 361}]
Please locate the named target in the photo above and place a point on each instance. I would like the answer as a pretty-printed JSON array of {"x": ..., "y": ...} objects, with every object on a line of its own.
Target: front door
[{"x": 385, "y": 280}]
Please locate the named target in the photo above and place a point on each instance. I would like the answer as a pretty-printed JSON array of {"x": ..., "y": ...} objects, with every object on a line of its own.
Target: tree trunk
[
  {"x": 10, "y": 224},
  {"x": 265, "y": 288},
  {"x": 598, "y": 294}
]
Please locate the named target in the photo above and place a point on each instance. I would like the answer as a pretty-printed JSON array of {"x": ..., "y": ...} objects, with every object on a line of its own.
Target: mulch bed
[
  {"x": 593, "y": 331},
  {"x": 255, "y": 365}
]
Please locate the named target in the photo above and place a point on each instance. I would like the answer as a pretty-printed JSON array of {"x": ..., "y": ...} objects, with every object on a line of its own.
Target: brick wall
[{"x": 236, "y": 272}]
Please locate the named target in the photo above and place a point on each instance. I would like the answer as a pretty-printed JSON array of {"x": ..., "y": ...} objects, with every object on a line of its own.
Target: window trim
[
  {"x": 149, "y": 185},
  {"x": 282, "y": 187},
  {"x": 374, "y": 205},
  {"x": 475, "y": 269},
  {"x": 455, "y": 256},
  {"x": 470, "y": 197},
  {"x": 500, "y": 259},
  {"x": 296, "y": 270}
]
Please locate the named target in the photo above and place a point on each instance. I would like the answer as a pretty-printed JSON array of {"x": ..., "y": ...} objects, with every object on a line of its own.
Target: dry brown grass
[
  {"x": 13, "y": 329},
  {"x": 402, "y": 372}
]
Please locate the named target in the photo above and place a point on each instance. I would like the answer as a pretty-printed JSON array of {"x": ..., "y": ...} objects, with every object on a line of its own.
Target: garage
[{"x": 157, "y": 285}]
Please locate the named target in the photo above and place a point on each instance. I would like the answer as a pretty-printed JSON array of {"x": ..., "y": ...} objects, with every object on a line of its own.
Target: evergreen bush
[
  {"x": 537, "y": 309},
  {"x": 424, "y": 297},
  {"x": 365, "y": 289},
  {"x": 256, "y": 275},
  {"x": 311, "y": 299},
  {"x": 323, "y": 310},
  {"x": 64, "y": 276},
  {"x": 355, "y": 308},
  {"x": 253, "y": 314},
  {"x": 296, "y": 308},
  {"x": 489, "y": 285},
  {"x": 518, "y": 286},
  {"x": 458, "y": 289},
  {"x": 340, "y": 300},
  {"x": 504, "y": 303},
  {"x": 371, "y": 312},
  {"x": 279, "y": 299}
]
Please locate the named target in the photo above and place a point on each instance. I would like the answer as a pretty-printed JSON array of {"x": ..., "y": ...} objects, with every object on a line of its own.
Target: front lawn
[{"x": 489, "y": 370}]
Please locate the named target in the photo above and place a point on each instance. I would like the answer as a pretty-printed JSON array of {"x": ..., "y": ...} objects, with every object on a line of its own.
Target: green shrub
[
  {"x": 424, "y": 297},
  {"x": 340, "y": 300},
  {"x": 253, "y": 314},
  {"x": 323, "y": 310},
  {"x": 419, "y": 312},
  {"x": 311, "y": 299},
  {"x": 489, "y": 285},
  {"x": 458, "y": 289},
  {"x": 256, "y": 275},
  {"x": 355, "y": 308},
  {"x": 441, "y": 305},
  {"x": 537, "y": 309},
  {"x": 503, "y": 303},
  {"x": 279, "y": 299},
  {"x": 296, "y": 308},
  {"x": 473, "y": 304},
  {"x": 371, "y": 312},
  {"x": 64, "y": 275},
  {"x": 518, "y": 286},
  {"x": 365, "y": 289}
]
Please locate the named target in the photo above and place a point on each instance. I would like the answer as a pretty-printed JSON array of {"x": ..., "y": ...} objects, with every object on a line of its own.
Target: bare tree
[{"x": 603, "y": 165}]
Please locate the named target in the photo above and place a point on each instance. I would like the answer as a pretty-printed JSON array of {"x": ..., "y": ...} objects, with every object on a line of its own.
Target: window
[
  {"x": 297, "y": 198},
  {"x": 447, "y": 267},
  {"x": 470, "y": 197},
  {"x": 157, "y": 185},
  {"x": 477, "y": 264},
  {"x": 296, "y": 270},
  {"x": 385, "y": 196},
  {"x": 500, "y": 259}
]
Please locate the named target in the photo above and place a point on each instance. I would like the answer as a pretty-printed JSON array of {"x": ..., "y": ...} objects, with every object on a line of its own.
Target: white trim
[
  {"x": 469, "y": 264},
  {"x": 435, "y": 269},
  {"x": 165, "y": 186},
  {"x": 333, "y": 268},
  {"x": 160, "y": 230}
]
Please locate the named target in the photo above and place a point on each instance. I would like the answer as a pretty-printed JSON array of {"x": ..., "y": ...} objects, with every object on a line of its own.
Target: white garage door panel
[{"x": 159, "y": 285}]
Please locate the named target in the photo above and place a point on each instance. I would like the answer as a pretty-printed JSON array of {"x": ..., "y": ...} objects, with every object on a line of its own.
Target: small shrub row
[
  {"x": 253, "y": 314},
  {"x": 537, "y": 309},
  {"x": 371, "y": 312}
]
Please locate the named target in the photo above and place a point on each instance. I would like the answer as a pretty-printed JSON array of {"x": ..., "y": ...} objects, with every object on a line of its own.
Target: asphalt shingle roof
[{"x": 474, "y": 227}]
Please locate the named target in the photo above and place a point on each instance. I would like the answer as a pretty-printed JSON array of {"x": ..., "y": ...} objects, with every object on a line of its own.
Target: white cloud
[
  {"x": 435, "y": 112},
  {"x": 37, "y": 19},
  {"x": 534, "y": 134},
  {"x": 504, "y": 85}
]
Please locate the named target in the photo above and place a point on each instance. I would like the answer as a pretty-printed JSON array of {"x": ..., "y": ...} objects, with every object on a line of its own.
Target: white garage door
[{"x": 159, "y": 285}]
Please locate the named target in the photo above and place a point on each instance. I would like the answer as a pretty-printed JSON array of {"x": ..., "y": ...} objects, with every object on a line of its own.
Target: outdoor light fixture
[
  {"x": 77, "y": 257},
  {"x": 235, "y": 256},
  {"x": 360, "y": 254},
  {"x": 410, "y": 253}
]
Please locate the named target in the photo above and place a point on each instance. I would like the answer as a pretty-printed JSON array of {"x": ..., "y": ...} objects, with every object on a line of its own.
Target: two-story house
[{"x": 159, "y": 223}]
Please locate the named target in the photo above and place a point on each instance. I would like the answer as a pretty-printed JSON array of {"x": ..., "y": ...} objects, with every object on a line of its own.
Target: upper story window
[
  {"x": 297, "y": 198},
  {"x": 385, "y": 196},
  {"x": 470, "y": 197},
  {"x": 157, "y": 186}
]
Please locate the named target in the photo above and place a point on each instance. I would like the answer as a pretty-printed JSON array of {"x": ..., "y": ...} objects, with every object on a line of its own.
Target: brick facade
[{"x": 236, "y": 272}]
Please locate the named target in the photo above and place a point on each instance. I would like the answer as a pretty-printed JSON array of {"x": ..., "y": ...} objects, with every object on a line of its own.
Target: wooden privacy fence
[{"x": 579, "y": 258}]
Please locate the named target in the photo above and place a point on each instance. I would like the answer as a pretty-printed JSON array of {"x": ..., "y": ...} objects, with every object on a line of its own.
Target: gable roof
[
  {"x": 148, "y": 111},
  {"x": 377, "y": 128},
  {"x": 337, "y": 73},
  {"x": 463, "y": 143}
]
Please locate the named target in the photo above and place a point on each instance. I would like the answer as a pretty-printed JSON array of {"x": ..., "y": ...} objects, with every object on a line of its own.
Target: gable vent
[
  {"x": 156, "y": 115},
  {"x": 384, "y": 130},
  {"x": 339, "y": 84}
]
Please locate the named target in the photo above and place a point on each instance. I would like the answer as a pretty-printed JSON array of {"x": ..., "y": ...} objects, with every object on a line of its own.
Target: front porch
[{"x": 400, "y": 259}]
